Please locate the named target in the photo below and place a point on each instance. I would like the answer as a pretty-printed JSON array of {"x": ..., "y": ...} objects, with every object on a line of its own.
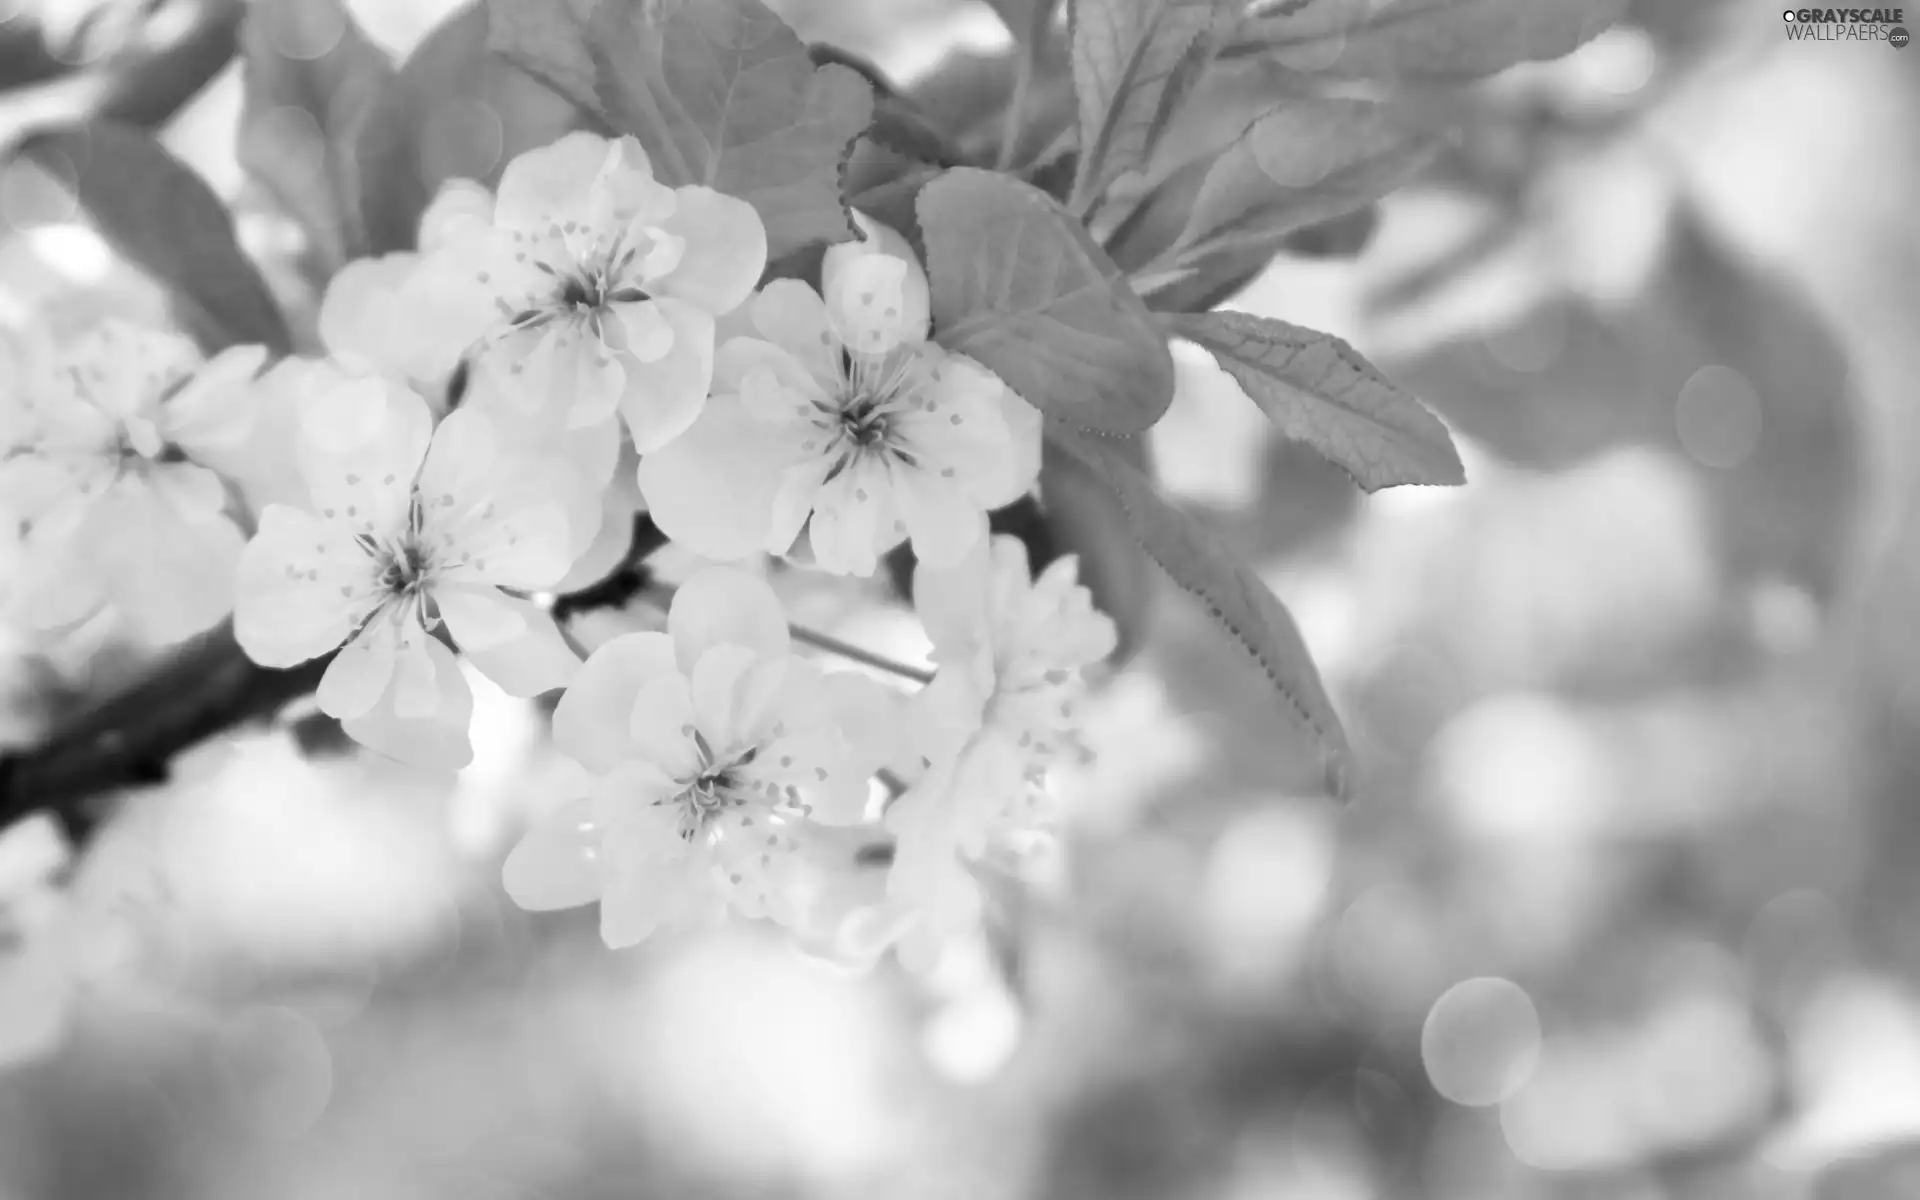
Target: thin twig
[{"x": 859, "y": 654}]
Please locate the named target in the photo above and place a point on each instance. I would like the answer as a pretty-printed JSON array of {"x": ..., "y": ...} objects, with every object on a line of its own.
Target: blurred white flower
[
  {"x": 1010, "y": 649},
  {"x": 406, "y": 527},
  {"x": 592, "y": 286},
  {"x": 716, "y": 752},
  {"x": 35, "y": 979},
  {"x": 366, "y": 321},
  {"x": 842, "y": 418},
  {"x": 1011, "y": 652},
  {"x": 108, "y": 462}
]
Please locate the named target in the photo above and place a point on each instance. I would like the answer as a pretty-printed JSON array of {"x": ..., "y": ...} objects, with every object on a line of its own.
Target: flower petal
[
  {"x": 478, "y": 616},
  {"x": 461, "y": 454},
  {"x": 592, "y": 721},
  {"x": 362, "y": 314},
  {"x": 824, "y": 736},
  {"x": 664, "y": 397},
  {"x": 955, "y": 601},
  {"x": 362, "y": 442},
  {"x": 518, "y": 541},
  {"x": 561, "y": 366},
  {"x": 661, "y": 726},
  {"x": 196, "y": 494},
  {"x": 943, "y": 521},
  {"x": 532, "y": 663},
  {"x": 853, "y": 520},
  {"x": 871, "y": 718},
  {"x": 713, "y": 487},
  {"x": 650, "y": 877},
  {"x": 725, "y": 605},
  {"x": 487, "y": 507},
  {"x": 773, "y": 383},
  {"x": 266, "y": 465},
  {"x": 641, "y": 329},
  {"x": 725, "y": 251},
  {"x": 416, "y": 688},
  {"x": 613, "y": 537},
  {"x": 123, "y": 369},
  {"x": 358, "y": 676},
  {"x": 833, "y": 897},
  {"x": 875, "y": 300},
  {"x": 557, "y": 862},
  {"x": 636, "y": 903},
  {"x": 460, "y": 207},
  {"x": 214, "y": 410},
  {"x": 1022, "y": 471},
  {"x": 170, "y": 577},
  {"x": 555, "y": 183},
  {"x": 303, "y": 587},
  {"x": 733, "y": 691},
  {"x": 453, "y": 299},
  {"x": 791, "y": 315},
  {"x": 438, "y": 737}
]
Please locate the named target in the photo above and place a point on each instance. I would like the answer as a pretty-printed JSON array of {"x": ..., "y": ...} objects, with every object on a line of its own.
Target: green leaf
[
  {"x": 1018, "y": 285},
  {"x": 899, "y": 154},
  {"x": 1319, "y": 390},
  {"x": 1304, "y": 162},
  {"x": 165, "y": 220},
  {"x": 885, "y": 183},
  {"x": 453, "y": 110},
  {"x": 1207, "y": 279},
  {"x": 719, "y": 92},
  {"x": 1134, "y": 61},
  {"x": 1422, "y": 39},
  {"x": 1195, "y": 558},
  {"x": 1084, "y": 519},
  {"x": 303, "y": 112}
]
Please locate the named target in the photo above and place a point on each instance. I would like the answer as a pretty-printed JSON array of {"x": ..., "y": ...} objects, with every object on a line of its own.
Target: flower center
[
  {"x": 715, "y": 787},
  {"x": 403, "y": 568},
  {"x": 582, "y": 289},
  {"x": 865, "y": 422},
  {"x": 580, "y": 293},
  {"x": 877, "y": 390},
  {"x": 127, "y": 450}
]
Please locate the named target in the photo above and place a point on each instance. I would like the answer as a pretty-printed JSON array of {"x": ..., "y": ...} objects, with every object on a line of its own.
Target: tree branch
[{"x": 204, "y": 688}]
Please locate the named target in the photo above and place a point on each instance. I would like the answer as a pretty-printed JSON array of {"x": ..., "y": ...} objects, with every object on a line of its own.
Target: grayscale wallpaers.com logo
[{"x": 1848, "y": 25}]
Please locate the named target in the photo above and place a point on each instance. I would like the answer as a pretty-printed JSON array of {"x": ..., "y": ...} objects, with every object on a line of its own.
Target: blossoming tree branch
[{"x": 753, "y": 301}]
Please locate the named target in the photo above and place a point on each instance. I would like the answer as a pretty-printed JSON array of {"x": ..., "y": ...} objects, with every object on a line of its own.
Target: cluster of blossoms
[{"x": 488, "y": 415}]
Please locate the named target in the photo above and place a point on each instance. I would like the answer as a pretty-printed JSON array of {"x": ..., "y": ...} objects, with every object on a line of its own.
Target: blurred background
[{"x": 1625, "y": 907}]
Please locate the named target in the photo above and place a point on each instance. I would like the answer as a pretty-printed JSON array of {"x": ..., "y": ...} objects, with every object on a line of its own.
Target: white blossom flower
[
  {"x": 1010, "y": 649},
  {"x": 367, "y": 319},
  {"x": 36, "y": 982},
  {"x": 593, "y": 286},
  {"x": 716, "y": 751},
  {"x": 407, "y": 527},
  {"x": 112, "y": 471},
  {"x": 367, "y": 328},
  {"x": 1011, "y": 652},
  {"x": 842, "y": 418}
]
